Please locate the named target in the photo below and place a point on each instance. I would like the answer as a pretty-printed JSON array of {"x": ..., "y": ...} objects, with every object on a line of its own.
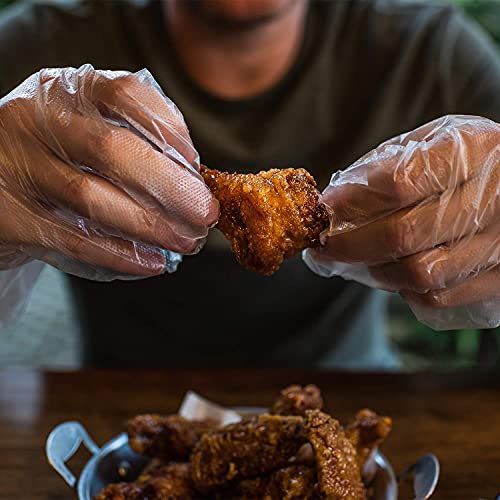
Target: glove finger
[
  {"x": 138, "y": 99},
  {"x": 474, "y": 290},
  {"x": 134, "y": 97},
  {"x": 443, "y": 266},
  {"x": 106, "y": 205},
  {"x": 151, "y": 178},
  {"x": 31, "y": 226},
  {"x": 410, "y": 169},
  {"x": 121, "y": 256},
  {"x": 454, "y": 215}
]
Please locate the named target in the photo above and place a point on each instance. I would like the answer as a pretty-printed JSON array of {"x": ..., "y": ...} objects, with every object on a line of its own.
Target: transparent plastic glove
[
  {"x": 98, "y": 176},
  {"x": 420, "y": 215}
]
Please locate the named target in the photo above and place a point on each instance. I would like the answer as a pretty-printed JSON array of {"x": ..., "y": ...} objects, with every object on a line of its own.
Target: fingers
[
  {"x": 443, "y": 266},
  {"x": 106, "y": 205},
  {"x": 98, "y": 156},
  {"x": 455, "y": 214},
  {"x": 411, "y": 168},
  {"x": 121, "y": 256},
  {"x": 484, "y": 287},
  {"x": 31, "y": 226},
  {"x": 150, "y": 177},
  {"x": 137, "y": 99},
  {"x": 133, "y": 98}
]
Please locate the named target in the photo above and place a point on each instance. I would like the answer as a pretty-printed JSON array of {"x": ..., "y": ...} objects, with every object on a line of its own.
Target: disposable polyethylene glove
[
  {"x": 98, "y": 176},
  {"x": 420, "y": 215}
]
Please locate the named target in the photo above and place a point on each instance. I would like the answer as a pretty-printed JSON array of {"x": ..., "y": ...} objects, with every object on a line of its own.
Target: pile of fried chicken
[
  {"x": 269, "y": 216},
  {"x": 296, "y": 451}
]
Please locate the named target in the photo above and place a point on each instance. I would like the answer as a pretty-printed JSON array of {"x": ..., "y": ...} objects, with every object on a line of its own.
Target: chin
[{"x": 243, "y": 11}]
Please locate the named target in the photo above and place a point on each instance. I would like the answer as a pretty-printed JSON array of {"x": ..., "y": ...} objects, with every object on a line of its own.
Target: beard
[{"x": 223, "y": 20}]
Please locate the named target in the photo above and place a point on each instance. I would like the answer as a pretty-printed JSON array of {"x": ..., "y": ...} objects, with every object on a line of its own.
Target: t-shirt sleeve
[{"x": 469, "y": 67}]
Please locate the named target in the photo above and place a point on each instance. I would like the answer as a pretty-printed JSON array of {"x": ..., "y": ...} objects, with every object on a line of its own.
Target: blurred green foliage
[{"x": 486, "y": 13}]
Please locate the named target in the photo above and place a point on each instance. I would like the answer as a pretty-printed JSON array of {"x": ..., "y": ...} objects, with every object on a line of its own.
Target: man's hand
[
  {"x": 97, "y": 167},
  {"x": 422, "y": 214}
]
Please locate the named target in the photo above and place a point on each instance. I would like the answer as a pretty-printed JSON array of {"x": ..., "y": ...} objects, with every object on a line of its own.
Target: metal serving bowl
[{"x": 115, "y": 462}]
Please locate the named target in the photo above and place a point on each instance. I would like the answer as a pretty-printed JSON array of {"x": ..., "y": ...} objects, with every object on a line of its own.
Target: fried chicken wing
[
  {"x": 169, "y": 482},
  {"x": 339, "y": 474},
  {"x": 366, "y": 432},
  {"x": 269, "y": 216},
  {"x": 161, "y": 482},
  {"x": 295, "y": 452},
  {"x": 295, "y": 482},
  {"x": 295, "y": 400},
  {"x": 157, "y": 468},
  {"x": 152, "y": 467},
  {"x": 121, "y": 491},
  {"x": 169, "y": 437},
  {"x": 245, "y": 449}
]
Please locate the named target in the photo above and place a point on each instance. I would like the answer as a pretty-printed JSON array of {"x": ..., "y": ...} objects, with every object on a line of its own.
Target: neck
[{"x": 235, "y": 63}]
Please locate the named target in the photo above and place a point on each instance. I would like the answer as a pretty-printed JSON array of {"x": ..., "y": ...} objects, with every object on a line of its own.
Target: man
[{"x": 262, "y": 83}]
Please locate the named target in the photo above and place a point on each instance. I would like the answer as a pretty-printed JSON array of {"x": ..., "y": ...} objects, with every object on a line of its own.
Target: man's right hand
[{"x": 97, "y": 167}]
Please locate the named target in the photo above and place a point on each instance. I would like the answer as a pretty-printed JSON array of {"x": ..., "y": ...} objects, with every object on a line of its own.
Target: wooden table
[{"x": 456, "y": 417}]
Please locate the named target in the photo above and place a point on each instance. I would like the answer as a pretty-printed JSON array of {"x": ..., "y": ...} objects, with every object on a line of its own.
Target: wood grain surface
[{"x": 457, "y": 417}]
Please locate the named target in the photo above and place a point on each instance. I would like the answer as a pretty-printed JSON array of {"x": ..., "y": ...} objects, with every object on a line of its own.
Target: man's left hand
[{"x": 422, "y": 213}]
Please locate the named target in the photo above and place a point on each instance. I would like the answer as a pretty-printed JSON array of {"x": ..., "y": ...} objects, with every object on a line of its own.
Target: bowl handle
[{"x": 62, "y": 444}]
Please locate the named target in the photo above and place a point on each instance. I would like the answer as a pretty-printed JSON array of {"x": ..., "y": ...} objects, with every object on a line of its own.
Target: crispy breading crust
[
  {"x": 295, "y": 482},
  {"x": 160, "y": 482},
  {"x": 169, "y": 437},
  {"x": 298, "y": 452},
  {"x": 245, "y": 449},
  {"x": 120, "y": 491},
  {"x": 295, "y": 400},
  {"x": 269, "y": 216},
  {"x": 367, "y": 431},
  {"x": 339, "y": 474}
]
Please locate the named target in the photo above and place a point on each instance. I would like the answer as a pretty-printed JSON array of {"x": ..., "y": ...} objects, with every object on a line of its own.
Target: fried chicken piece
[
  {"x": 366, "y": 432},
  {"x": 157, "y": 468},
  {"x": 169, "y": 482},
  {"x": 295, "y": 482},
  {"x": 269, "y": 216},
  {"x": 158, "y": 482},
  {"x": 339, "y": 474},
  {"x": 121, "y": 491},
  {"x": 245, "y": 449},
  {"x": 151, "y": 468},
  {"x": 295, "y": 400},
  {"x": 169, "y": 438},
  {"x": 246, "y": 489}
]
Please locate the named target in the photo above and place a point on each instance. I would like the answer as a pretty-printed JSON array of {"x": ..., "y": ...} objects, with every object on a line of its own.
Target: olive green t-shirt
[{"x": 367, "y": 70}]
